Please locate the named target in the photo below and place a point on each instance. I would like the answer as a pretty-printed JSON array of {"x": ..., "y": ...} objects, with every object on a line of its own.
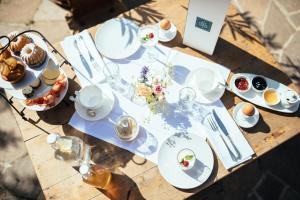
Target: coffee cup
[
  {"x": 90, "y": 97},
  {"x": 208, "y": 81}
]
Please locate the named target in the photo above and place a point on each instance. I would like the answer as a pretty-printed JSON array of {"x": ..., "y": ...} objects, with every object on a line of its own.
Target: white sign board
[{"x": 204, "y": 21}]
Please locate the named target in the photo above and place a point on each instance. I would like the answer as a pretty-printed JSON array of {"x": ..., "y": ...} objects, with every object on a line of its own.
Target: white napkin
[
  {"x": 83, "y": 67},
  {"x": 156, "y": 128}
]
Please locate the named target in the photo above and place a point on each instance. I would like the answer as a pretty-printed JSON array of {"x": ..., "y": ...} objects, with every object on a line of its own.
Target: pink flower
[{"x": 157, "y": 89}]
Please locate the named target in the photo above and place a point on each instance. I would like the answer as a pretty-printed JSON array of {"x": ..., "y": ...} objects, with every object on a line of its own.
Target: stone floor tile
[
  {"x": 277, "y": 25},
  {"x": 256, "y": 8},
  {"x": 54, "y": 31},
  {"x": 6, "y": 28},
  {"x": 46, "y": 11},
  {"x": 269, "y": 188},
  {"x": 290, "y": 194},
  {"x": 18, "y": 11},
  {"x": 290, "y": 5},
  {"x": 295, "y": 18}
]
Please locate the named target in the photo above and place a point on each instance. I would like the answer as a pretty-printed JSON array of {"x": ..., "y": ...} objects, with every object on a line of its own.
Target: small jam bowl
[
  {"x": 273, "y": 93},
  {"x": 186, "y": 159},
  {"x": 239, "y": 78},
  {"x": 257, "y": 78}
]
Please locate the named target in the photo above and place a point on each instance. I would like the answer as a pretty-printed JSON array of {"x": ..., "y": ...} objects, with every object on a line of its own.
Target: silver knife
[
  {"x": 83, "y": 60},
  {"x": 224, "y": 130}
]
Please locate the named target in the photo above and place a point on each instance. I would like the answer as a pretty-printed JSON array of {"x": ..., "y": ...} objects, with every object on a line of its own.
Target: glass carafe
[
  {"x": 95, "y": 175},
  {"x": 69, "y": 148}
]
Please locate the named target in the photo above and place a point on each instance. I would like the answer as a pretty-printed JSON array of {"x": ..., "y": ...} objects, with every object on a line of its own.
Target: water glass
[
  {"x": 187, "y": 96},
  {"x": 111, "y": 72}
]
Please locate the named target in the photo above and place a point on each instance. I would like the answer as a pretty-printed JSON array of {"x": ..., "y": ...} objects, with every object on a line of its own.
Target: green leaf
[{"x": 188, "y": 157}]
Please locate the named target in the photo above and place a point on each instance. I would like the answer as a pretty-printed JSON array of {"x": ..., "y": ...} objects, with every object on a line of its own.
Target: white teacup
[
  {"x": 207, "y": 81},
  {"x": 90, "y": 97}
]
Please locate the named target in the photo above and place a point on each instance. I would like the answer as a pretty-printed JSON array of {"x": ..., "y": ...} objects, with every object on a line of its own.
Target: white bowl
[
  {"x": 278, "y": 96},
  {"x": 249, "y": 84},
  {"x": 256, "y": 90}
]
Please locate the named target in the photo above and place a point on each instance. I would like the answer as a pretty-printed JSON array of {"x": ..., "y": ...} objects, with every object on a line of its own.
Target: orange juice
[{"x": 96, "y": 175}]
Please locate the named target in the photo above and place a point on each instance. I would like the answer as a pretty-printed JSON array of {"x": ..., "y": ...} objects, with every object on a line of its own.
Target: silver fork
[
  {"x": 214, "y": 127},
  {"x": 92, "y": 59}
]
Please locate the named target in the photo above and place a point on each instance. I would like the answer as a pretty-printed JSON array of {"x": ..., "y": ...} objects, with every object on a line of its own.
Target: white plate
[
  {"x": 37, "y": 92},
  {"x": 257, "y": 98},
  {"x": 57, "y": 101},
  {"x": 207, "y": 98},
  {"x": 31, "y": 74},
  {"x": 167, "y": 36},
  {"x": 117, "y": 38},
  {"x": 103, "y": 111},
  {"x": 170, "y": 169},
  {"x": 240, "y": 120}
]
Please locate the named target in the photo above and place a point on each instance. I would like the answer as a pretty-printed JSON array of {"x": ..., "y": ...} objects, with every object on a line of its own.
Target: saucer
[
  {"x": 166, "y": 36},
  {"x": 170, "y": 169},
  {"x": 103, "y": 111},
  {"x": 205, "y": 98},
  {"x": 240, "y": 120}
]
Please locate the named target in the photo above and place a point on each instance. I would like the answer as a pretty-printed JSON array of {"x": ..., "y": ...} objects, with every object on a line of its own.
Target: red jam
[{"x": 241, "y": 83}]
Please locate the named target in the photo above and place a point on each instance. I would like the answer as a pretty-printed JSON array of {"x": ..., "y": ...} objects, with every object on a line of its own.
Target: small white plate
[
  {"x": 31, "y": 73},
  {"x": 117, "y": 38},
  {"x": 103, "y": 111},
  {"x": 205, "y": 98},
  {"x": 170, "y": 169},
  {"x": 166, "y": 36},
  {"x": 240, "y": 120}
]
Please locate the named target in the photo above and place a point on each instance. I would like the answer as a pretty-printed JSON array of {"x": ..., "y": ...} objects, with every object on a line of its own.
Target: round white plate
[
  {"x": 170, "y": 169},
  {"x": 167, "y": 36},
  {"x": 103, "y": 111},
  {"x": 207, "y": 98},
  {"x": 240, "y": 120},
  {"x": 117, "y": 38},
  {"x": 57, "y": 101},
  {"x": 31, "y": 74}
]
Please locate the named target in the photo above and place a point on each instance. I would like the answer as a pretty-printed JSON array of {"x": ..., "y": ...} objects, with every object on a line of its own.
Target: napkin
[
  {"x": 83, "y": 65},
  {"x": 156, "y": 128}
]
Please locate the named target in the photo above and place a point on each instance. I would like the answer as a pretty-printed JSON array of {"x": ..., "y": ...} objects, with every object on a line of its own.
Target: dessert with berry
[{"x": 186, "y": 159}]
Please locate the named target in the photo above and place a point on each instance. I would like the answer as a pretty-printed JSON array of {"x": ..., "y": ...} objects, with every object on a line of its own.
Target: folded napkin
[
  {"x": 83, "y": 65},
  {"x": 156, "y": 128}
]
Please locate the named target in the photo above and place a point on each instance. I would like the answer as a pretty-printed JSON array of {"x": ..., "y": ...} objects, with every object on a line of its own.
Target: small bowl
[
  {"x": 183, "y": 155},
  {"x": 256, "y": 89},
  {"x": 121, "y": 126},
  {"x": 270, "y": 91},
  {"x": 248, "y": 81}
]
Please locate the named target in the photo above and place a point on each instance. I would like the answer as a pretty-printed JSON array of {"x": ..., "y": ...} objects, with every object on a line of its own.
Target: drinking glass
[
  {"x": 187, "y": 96},
  {"x": 111, "y": 72},
  {"x": 148, "y": 36}
]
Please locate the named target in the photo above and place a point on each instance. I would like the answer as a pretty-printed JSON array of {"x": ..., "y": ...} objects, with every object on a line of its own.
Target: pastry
[
  {"x": 165, "y": 24},
  {"x": 17, "y": 44},
  {"x": 36, "y": 84},
  {"x": 4, "y": 54},
  {"x": 33, "y": 55},
  {"x": 28, "y": 91},
  {"x": 12, "y": 70}
]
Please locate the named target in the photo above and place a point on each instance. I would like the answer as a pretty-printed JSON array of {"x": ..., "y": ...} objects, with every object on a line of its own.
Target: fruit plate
[
  {"x": 257, "y": 98},
  {"x": 57, "y": 101},
  {"x": 171, "y": 170},
  {"x": 31, "y": 74},
  {"x": 117, "y": 38}
]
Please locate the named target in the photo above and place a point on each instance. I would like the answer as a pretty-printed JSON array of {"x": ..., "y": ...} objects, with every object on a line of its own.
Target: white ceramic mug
[
  {"x": 207, "y": 81},
  {"x": 90, "y": 97}
]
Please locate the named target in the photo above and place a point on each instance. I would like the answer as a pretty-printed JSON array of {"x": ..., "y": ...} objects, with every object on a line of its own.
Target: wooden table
[{"x": 59, "y": 180}]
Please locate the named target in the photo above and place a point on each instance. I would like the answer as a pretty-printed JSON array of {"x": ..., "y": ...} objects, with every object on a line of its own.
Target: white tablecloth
[{"x": 155, "y": 128}]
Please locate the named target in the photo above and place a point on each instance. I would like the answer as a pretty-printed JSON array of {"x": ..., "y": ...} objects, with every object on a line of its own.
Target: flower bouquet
[{"x": 151, "y": 88}]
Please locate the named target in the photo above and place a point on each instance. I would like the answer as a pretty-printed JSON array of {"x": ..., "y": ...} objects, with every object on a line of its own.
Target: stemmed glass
[
  {"x": 148, "y": 36},
  {"x": 111, "y": 72},
  {"x": 187, "y": 96}
]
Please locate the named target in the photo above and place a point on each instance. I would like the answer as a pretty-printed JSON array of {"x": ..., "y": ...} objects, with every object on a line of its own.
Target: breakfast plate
[
  {"x": 103, "y": 111},
  {"x": 240, "y": 120},
  {"x": 117, "y": 38},
  {"x": 61, "y": 96},
  {"x": 31, "y": 73},
  {"x": 170, "y": 168},
  {"x": 256, "y": 97},
  {"x": 211, "y": 97}
]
